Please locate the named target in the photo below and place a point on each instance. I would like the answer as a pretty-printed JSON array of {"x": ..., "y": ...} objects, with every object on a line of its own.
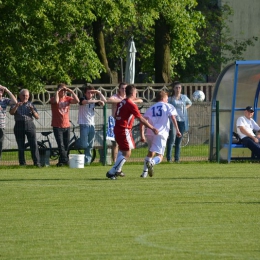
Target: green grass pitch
[{"x": 186, "y": 211}]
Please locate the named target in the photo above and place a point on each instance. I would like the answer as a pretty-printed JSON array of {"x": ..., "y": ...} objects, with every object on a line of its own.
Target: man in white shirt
[
  {"x": 245, "y": 129},
  {"x": 158, "y": 116}
]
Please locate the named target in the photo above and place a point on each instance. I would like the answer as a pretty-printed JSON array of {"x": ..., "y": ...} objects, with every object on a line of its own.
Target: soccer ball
[{"x": 198, "y": 96}]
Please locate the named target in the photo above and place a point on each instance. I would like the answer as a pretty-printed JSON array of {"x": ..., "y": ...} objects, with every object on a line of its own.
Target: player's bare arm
[
  {"x": 144, "y": 122},
  {"x": 141, "y": 128}
]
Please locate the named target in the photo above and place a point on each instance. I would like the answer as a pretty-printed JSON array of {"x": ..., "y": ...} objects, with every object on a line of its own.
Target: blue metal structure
[{"x": 237, "y": 86}]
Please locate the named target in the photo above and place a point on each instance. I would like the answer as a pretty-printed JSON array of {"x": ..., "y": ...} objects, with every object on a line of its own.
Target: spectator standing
[
  {"x": 246, "y": 128},
  {"x": 158, "y": 116},
  {"x": 86, "y": 120},
  {"x": 125, "y": 114},
  {"x": 24, "y": 113},
  {"x": 181, "y": 103},
  {"x": 60, "y": 108},
  {"x": 4, "y": 102},
  {"x": 114, "y": 100}
]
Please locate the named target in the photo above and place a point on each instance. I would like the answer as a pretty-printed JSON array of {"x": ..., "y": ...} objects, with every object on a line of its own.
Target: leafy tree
[
  {"x": 45, "y": 42},
  {"x": 164, "y": 31},
  {"x": 215, "y": 47},
  {"x": 198, "y": 57},
  {"x": 173, "y": 28},
  {"x": 51, "y": 41},
  {"x": 112, "y": 18}
]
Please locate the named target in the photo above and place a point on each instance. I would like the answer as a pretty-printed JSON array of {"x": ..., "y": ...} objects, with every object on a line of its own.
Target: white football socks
[{"x": 156, "y": 160}]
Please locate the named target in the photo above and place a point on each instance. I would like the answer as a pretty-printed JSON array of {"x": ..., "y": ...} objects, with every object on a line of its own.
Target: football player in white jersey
[{"x": 158, "y": 116}]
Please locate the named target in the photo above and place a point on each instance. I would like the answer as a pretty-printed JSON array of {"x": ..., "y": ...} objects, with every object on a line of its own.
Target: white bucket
[{"x": 77, "y": 160}]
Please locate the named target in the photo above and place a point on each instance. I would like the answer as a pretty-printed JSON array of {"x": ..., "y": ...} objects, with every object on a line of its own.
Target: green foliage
[
  {"x": 51, "y": 41},
  {"x": 183, "y": 21},
  {"x": 45, "y": 42},
  {"x": 207, "y": 58},
  {"x": 118, "y": 18}
]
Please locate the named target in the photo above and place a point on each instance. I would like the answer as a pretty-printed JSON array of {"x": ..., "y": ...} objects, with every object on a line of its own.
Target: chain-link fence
[
  {"x": 196, "y": 138},
  {"x": 195, "y": 141}
]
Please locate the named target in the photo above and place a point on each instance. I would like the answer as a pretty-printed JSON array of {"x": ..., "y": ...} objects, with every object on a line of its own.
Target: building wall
[{"x": 245, "y": 24}]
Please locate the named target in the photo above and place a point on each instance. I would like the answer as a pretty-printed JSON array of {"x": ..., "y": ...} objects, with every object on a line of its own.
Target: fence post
[
  {"x": 105, "y": 135},
  {"x": 217, "y": 130}
]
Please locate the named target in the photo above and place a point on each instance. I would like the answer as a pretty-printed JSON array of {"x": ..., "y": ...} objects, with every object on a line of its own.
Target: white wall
[{"x": 245, "y": 24}]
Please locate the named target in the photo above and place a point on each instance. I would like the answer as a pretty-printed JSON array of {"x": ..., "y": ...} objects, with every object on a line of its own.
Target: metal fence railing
[{"x": 145, "y": 91}]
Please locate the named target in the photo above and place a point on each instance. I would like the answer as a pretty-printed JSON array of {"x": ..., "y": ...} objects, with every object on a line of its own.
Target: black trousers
[
  {"x": 62, "y": 136},
  {"x": 28, "y": 129}
]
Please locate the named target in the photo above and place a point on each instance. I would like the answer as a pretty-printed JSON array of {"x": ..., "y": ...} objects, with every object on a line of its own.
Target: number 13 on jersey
[{"x": 157, "y": 111}]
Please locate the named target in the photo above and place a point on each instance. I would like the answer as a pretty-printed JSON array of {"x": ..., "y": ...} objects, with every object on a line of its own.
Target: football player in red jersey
[{"x": 125, "y": 114}]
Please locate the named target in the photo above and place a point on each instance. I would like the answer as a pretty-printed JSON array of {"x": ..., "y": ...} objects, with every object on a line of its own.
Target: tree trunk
[
  {"x": 162, "y": 57},
  {"x": 106, "y": 77}
]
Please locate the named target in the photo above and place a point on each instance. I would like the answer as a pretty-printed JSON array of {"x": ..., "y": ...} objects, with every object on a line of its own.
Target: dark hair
[
  {"x": 87, "y": 87},
  {"x": 129, "y": 90},
  {"x": 173, "y": 85},
  {"x": 120, "y": 85},
  {"x": 160, "y": 96}
]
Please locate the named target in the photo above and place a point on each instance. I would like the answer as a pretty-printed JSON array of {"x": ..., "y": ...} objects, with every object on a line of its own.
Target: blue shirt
[
  {"x": 23, "y": 112},
  {"x": 180, "y": 105}
]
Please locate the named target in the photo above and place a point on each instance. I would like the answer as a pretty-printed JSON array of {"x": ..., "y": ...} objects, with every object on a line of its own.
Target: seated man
[{"x": 245, "y": 129}]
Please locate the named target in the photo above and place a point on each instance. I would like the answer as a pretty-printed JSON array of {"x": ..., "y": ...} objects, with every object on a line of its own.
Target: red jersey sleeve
[{"x": 136, "y": 111}]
